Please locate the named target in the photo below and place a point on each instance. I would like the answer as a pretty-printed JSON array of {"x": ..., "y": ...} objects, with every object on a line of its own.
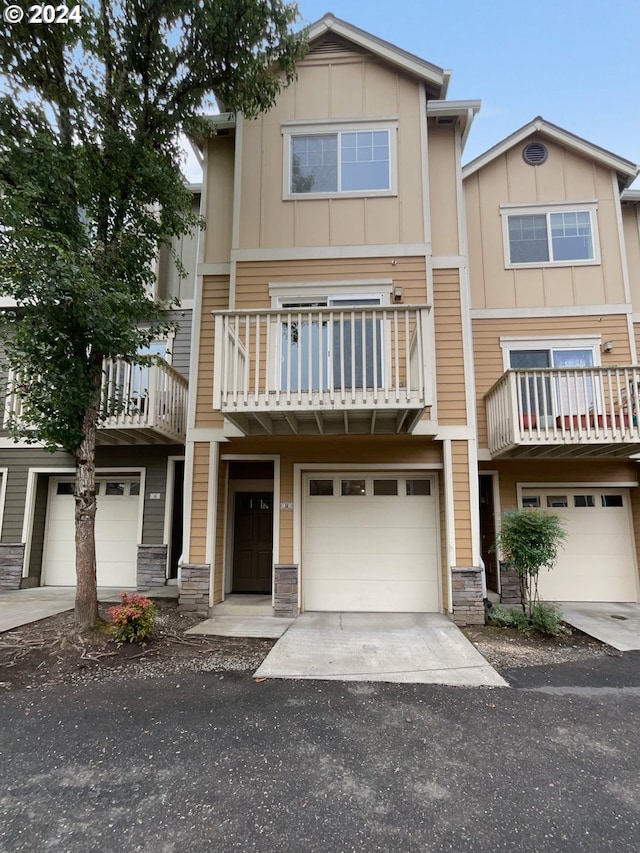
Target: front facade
[{"x": 390, "y": 349}]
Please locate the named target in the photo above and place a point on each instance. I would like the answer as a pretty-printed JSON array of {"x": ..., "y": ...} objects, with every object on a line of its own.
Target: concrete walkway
[
  {"x": 22, "y": 606},
  {"x": 617, "y": 624},
  {"x": 416, "y": 648}
]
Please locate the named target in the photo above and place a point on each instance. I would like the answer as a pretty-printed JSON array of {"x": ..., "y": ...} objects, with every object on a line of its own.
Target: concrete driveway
[
  {"x": 417, "y": 648},
  {"x": 617, "y": 624}
]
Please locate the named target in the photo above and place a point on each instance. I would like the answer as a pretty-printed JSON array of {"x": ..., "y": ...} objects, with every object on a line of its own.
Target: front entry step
[{"x": 244, "y": 605}]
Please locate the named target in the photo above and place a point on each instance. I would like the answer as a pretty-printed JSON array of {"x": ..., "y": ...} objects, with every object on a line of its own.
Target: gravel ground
[{"x": 50, "y": 652}]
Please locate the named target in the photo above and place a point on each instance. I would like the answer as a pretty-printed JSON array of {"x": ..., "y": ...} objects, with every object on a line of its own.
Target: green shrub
[
  {"x": 133, "y": 620},
  {"x": 545, "y": 619}
]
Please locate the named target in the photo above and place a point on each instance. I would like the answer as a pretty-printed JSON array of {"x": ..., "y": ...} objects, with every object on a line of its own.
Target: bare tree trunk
[{"x": 86, "y": 611}]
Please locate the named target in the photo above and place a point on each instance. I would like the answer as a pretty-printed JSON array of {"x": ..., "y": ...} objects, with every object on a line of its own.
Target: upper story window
[
  {"x": 550, "y": 235},
  {"x": 350, "y": 160}
]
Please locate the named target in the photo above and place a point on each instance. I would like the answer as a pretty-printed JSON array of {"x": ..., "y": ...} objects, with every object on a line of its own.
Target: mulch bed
[{"x": 52, "y": 652}]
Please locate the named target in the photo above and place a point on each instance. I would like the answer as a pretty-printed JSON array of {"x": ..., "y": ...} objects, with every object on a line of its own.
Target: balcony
[
  {"x": 140, "y": 404},
  {"x": 571, "y": 412},
  {"x": 322, "y": 370}
]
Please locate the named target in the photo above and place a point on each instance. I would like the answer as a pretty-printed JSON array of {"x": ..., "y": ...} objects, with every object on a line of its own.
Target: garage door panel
[
  {"x": 372, "y": 596},
  {"x": 597, "y": 561},
  {"x": 371, "y": 553},
  {"x": 116, "y": 533}
]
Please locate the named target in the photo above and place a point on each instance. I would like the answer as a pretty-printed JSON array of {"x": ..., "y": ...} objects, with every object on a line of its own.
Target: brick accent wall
[
  {"x": 194, "y": 588},
  {"x": 285, "y": 598},
  {"x": 151, "y": 566},
  {"x": 11, "y": 559},
  {"x": 468, "y": 605},
  {"x": 509, "y": 585}
]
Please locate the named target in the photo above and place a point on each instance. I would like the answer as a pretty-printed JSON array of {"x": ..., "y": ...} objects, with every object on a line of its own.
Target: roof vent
[{"x": 535, "y": 153}]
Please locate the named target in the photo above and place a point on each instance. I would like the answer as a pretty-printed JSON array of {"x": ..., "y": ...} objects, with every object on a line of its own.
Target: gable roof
[
  {"x": 437, "y": 78},
  {"x": 625, "y": 169}
]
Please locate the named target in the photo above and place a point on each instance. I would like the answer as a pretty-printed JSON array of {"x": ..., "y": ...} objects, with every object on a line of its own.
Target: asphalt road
[{"x": 201, "y": 762}]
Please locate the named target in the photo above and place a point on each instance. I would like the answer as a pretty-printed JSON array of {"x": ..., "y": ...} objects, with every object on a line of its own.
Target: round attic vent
[{"x": 534, "y": 153}]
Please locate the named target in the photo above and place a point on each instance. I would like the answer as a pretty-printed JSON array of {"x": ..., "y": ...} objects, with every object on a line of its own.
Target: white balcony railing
[
  {"x": 139, "y": 403},
  {"x": 595, "y": 407},
  {"x": 321, "y": 360}
]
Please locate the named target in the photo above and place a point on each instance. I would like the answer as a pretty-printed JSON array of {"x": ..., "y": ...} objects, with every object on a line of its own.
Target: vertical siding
[
  {"x": 635, "y": 516},
  {"x": 443, "y": 198},
  {"x": 199, "y": 502},
  {"x": 181, "y": 344},
  {"x": 488, "y": 353},
  {"x": 215, "y": 296},
  {"x": 565, "y": 176},
  {"x": 39, "y": 521},
  {"x": 631, "y": 224},
  {"x": 461, "y": 502},
  {"x": 449, "y": 355},
  {"x": 220, "y": 152},
  {"x": 444, "y": 550}
]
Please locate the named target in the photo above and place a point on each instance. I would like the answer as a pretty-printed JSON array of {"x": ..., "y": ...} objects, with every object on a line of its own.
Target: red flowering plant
[{"x": 133, "y": 620}]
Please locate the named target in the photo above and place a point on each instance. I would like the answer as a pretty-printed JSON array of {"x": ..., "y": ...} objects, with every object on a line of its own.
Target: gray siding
[{"x": 181, "y": 345}]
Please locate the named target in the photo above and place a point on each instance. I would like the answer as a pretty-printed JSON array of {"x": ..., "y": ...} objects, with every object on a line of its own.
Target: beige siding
[
  {"x": 185, "y": 248},
  {"x": 565, "y": 176},
  {"x": 631, "y": 223},
  {"x": 219, "y": 213},
  {"x": 635, "y": 511},
  {"x": 253, "y": 278},
  {"x": 443, "y": 197},
  {"x": 199, "y": 502},
  {"x": 215, "y": 296},
  {"x": 221, "y": 498},
  {"x": 636, "y": 334},
  {"x": 488, "y": 353},
  {"x": 347, "y": 85},
  {"x": 449, "y": 355},
  {"x": 444, "y": 550},
  {"x": 558, "y": 471},
  {"x": 461, "y": 502}
]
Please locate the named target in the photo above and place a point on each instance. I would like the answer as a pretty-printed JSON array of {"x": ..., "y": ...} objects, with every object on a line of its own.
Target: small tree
[{"x": 529, "y": 539}]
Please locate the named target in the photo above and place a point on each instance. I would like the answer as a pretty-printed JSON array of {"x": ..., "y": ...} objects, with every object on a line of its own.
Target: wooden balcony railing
[
  {"x": 565, "y": 412},
  {"x": 140, "y": 403},
  {"x": 308, "y": 368}
]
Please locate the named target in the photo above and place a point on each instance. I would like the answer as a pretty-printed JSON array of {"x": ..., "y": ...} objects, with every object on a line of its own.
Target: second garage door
[
  {"x": 597, "y": 561},
  {"x": 370, "y": 543},
  {"x": 116, "y": 533}
]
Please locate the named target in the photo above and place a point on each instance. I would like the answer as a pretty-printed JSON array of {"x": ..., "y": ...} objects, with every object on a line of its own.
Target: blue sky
[{"x": 575, "y": 62}]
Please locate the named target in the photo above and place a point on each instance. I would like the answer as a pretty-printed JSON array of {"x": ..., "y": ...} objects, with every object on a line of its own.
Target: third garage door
[
  {"x": 370, "y": 543},
  {"x": 597, "y": 561}
]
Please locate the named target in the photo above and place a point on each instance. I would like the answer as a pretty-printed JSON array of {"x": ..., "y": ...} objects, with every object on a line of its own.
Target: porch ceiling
[{"x": 344, "y": 422}]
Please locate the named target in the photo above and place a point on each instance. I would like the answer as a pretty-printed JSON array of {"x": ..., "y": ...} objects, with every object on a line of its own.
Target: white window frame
[
  {"x": 560, "y": 342},
  {"x": 310, "y": 128},
  {"x": 546, "y": 209}
]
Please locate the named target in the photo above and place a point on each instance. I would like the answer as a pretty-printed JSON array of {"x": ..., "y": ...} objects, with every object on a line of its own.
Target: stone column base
[
  {"x": 468, "y": 605},
  {"x": 151, "y": 566},
  {"x": 285, "y": 598},
  {"x": 11, "y": 561},
  {"x": 194, "y": 588},
  {"x": 509, "y": 585}
]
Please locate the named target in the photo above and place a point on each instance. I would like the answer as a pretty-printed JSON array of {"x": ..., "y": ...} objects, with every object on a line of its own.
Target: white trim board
[
  {"x": 560, "y": 311},
  {"x": 384, "y": 251}
]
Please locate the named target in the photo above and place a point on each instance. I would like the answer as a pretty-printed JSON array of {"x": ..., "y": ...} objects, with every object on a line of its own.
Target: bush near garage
[{"x": 133, "y": 620}]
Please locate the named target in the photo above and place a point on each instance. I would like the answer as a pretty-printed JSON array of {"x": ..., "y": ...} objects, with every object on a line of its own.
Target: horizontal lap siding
[
  {"x": 253, "y": 277},
  {"x": 218, "y": 575},
  {"x": 461, "y": 502},
  {"x": 488, "y": 353},
  {"x": 449, "y": 353},
  {"x": 199, "y": 502},
  {"x": 215, "y": 297}
]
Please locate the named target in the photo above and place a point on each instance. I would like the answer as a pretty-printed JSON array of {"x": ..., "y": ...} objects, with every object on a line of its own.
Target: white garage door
[
  {"x": 597, "y": 561},
  {"x": 116, "y": 533},
  {"x": 370, "y": 543}
]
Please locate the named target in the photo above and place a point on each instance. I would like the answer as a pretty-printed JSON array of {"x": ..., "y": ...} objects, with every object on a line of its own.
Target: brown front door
[
  {"x": 488, "y": 531},
  {"x": 253, "y": 542}
]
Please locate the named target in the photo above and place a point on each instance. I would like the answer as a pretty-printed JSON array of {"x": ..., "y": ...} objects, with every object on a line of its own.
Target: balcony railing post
[{"x": 220, "y": 344}]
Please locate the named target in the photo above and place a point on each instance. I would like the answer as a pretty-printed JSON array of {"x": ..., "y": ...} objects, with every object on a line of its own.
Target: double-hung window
[
  {"x": 354, "y": 160},
  {"x": 553, "y": 235}
]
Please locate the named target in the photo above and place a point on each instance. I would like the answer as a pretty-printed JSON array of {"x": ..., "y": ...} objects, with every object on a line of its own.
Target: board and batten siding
[
  {"x": 332, "y": 86},
  {"x": 181, "y": 343},
  {"x": 443, "y": 199},
  {"x": 488, "y": 353},
  {"x": 220, "y": 152},
  {"x": 215, "y": 297},
  {"x": 450, "y": 382},
  {"x": 631, "y": 225},
  {"x": 565, "y": 176}
]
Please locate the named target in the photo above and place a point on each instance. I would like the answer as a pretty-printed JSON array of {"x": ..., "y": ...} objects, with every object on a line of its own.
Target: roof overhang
[
  {"x": 625, "y": 169},
  {"x": 461, "y": 113},
  {"x": 218, "y": 124},
  {"x": 435, "y": 77},
  {"x": 630, "y": 196}
]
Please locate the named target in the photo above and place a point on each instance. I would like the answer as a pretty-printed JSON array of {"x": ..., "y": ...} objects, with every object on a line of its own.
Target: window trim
[
  {"x": 310, "y": 128},
  {"x": 560, "y": 342},
  {"x": 547, "y": 208}
]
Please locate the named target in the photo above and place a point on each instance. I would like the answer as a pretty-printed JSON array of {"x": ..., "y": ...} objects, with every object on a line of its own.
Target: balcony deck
[
  {"x": 588, "y": 411},
  {"x": 140, "y": 404},
  {"x": 329, "y": 370}
]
